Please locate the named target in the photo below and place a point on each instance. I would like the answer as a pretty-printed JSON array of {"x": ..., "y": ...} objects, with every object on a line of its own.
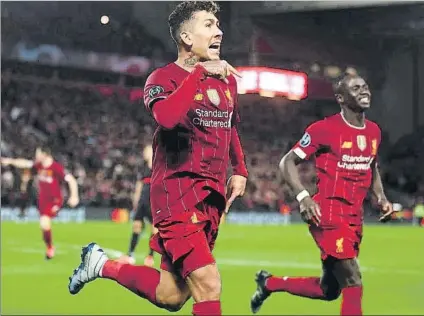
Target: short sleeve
[
  {"x": 158, "y": 87},
  {"x": 59, "y": 171},
  {"x": 312, "y": 140}
]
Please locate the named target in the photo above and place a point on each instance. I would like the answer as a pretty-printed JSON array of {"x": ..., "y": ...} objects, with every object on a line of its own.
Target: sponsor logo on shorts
[
  {"x": 217, "y": 118},
  {"x": 339, "y": 245},
  {"x": 155, "y": 91},
  {"x": 355, "y": 162},
  {"x": 305, "y": 141}
]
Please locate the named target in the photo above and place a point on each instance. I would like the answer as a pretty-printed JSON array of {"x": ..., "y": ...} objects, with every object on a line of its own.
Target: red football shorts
[
  {"x": 341, "y": 242},
  {"x": 186, "y": 240},
  {"x": 50, "y": 207}
]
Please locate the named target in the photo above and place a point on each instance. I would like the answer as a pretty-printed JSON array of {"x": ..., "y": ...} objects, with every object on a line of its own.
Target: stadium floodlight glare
[
  {"x": 104, "y": 19},
  {"x": 271, "y": 82}
]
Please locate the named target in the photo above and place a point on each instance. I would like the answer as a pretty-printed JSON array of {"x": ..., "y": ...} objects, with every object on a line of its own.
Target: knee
[
  {"x": 45, "y": 222},
  {"x": 171, "y": 302},
  {"x": 205, "y": 284},
  {"x": 331, "y": 290},
  {"x": 137, "y": 227},
  {"x": 331, "y": 294},
  {"x": 174, "y": 307}
]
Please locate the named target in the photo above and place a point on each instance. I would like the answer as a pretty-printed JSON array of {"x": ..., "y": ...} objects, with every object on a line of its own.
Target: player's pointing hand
[
  {"x": 220, "y": 69},
  {"x": 386, "y": 209},
  {"x": 310, "y": 211},
  {"x": 235, "y": 187}
]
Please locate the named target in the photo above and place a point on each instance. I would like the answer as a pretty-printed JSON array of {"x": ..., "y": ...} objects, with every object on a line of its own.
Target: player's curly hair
[{"x": 184, "y": 12}]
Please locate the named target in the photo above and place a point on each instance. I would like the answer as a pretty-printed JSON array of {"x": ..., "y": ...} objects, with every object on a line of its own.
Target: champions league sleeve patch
[
  {"x": 155, "y": 91},
  {"x": 305, "y": 141}
]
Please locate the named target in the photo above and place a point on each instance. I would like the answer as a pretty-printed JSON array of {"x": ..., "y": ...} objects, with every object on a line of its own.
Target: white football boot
[{"x": 93, "y": 259}]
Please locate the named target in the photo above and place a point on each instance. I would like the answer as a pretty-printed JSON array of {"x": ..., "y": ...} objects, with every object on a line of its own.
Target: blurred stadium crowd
[{"x": 99, "y": 138}]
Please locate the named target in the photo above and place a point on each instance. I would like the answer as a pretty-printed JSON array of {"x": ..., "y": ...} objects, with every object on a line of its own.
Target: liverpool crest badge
[
  {"x": 213, "y": 96},
  {"x": 361, "y": 142}
]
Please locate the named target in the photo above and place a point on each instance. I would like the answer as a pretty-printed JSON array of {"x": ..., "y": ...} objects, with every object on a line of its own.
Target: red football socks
[
  {"x": 212, "y": 308},
  {"x": 305, "y": 287},
  {"x": 140, "y": 280},
  {"x": 47, "y": 237},
  {"x": 351, "y": 301}
]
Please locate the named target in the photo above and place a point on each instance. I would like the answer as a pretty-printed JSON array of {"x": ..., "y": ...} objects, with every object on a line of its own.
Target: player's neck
[
  {"x": 354, "y": 119},
  {"x": 187, "y": 60},
  {"x": 47, "y": 162}
]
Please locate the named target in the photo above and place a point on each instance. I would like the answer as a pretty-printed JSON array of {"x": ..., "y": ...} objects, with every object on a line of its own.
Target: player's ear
[
  {"x": 186, "y": 38},
  {"x": 339, "y": 98}
]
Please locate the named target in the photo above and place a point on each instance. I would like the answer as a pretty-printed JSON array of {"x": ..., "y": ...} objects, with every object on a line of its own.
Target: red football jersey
[
  {"x": 49, "y": 181},
  {"x": 344, "y": 155},
  {"x": 191, "y": 159}
]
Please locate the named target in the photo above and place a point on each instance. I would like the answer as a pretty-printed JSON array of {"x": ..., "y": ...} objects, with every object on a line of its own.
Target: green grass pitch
[{"x": 391, "y": 259}]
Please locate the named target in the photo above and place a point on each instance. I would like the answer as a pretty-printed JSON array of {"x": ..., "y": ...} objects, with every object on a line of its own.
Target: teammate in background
[
  {"x": 50, "y": 174},
  {"x": 141, "y": 206},
  {"x": 24, "y": 192},
  {"x": 345, "y": 146},
  {"x": 194, "y": 102}
]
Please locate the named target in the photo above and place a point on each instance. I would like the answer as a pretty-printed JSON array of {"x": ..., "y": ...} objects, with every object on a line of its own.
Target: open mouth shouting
[{"x": 215, "y": 48}]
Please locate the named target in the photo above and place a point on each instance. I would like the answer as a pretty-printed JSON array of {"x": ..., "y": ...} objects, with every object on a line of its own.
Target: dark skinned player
[{"x": 345, "y": 146}]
